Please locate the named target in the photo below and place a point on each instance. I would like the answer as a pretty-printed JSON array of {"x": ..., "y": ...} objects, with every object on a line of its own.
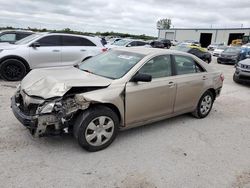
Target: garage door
[{"x": 169, "y": 35}]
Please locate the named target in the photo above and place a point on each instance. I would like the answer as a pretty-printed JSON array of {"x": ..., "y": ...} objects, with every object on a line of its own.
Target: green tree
[{"x": 164, "y": 23}]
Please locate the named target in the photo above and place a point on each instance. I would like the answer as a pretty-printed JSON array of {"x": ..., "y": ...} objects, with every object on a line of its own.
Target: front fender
[{"x": 111, "y": 95}]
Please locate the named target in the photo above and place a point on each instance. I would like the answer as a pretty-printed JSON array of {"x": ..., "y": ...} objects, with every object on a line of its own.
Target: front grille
[
  {"x": 243, "y": 77},
  {"x": 245, "y": 66}
]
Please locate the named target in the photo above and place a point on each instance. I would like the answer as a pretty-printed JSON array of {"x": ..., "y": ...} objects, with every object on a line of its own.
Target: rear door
[
  {"x": 191, "y": 80},
  {"x": 76, "y": 49},
  {"x": 147, "y": 100},
  {"x": 48, "y": 54}
]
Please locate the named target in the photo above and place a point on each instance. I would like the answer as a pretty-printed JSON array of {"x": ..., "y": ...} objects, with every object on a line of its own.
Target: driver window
[{"x": 158, "y": 67}]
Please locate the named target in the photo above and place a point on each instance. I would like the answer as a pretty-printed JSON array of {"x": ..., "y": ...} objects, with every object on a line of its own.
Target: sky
[{"x": 128, "y": 16}]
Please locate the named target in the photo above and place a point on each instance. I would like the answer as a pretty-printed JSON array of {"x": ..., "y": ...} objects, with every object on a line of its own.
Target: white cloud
[{"x": 130, "y": 16}]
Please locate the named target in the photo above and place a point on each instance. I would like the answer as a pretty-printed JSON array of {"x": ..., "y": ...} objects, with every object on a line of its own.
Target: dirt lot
[{"x": 179, "y": 152}]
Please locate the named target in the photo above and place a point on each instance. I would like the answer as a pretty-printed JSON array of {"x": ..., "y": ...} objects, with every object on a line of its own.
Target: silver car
[
  {"x": 46, "y": 50},
  {"x": 118, "y": 89},
  {"x": 242, "y": 71}
]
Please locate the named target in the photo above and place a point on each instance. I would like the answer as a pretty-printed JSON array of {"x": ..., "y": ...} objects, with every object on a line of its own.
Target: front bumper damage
[
  {"x": 46, "y": 117},
  {"x": 38, "y": 125}
]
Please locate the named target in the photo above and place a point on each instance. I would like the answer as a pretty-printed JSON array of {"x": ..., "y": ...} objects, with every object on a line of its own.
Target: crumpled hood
[{"x": 55, "y": 82}]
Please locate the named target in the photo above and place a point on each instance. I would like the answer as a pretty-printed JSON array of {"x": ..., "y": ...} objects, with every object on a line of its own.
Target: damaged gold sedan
[{"x": 119, "y": 89}]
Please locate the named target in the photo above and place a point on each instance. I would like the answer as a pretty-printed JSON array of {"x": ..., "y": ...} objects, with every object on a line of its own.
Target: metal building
[{"x": 205, "y": 36}]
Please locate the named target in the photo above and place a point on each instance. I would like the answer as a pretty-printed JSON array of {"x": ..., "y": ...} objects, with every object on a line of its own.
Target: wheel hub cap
[
  {"x": 206, "y": 105},
  {"x": 99, "y": 131}
]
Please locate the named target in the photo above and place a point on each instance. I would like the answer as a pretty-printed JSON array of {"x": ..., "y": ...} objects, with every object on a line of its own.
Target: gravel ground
[{"x": 178, "y": 152}]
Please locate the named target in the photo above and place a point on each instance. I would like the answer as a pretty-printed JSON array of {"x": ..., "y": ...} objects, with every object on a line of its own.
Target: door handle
[
  {"x": 171, "y": 84},
  {"x": 204, "y": 78},
  {"x": 82, "y": 50},
  {"x": 55, "y": 50}
]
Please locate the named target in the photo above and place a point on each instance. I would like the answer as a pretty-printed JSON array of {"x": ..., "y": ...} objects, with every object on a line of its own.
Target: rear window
[
  {"x": 76, "y": 41},
  {"x": 186, "y": 65}
]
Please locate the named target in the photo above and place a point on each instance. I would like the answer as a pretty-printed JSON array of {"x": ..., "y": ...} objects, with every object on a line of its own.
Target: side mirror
[
  {"x": 35, "y": 44},
  {"x": 247, "y": 56},
  {"x": 129, "y": 45},
  {"x": 140, "y": 77}
]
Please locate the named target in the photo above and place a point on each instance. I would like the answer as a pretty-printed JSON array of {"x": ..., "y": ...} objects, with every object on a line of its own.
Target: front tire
[
  {"x": 96, "y": 128},
  {"x": 236, "y": 80},
  {"x": 12, "y": 70},
  {"x": 205, "y": 105}
]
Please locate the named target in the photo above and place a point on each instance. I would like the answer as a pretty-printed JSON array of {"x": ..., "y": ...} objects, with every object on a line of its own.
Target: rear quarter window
[
  {"x": 186, "y": 65},
  {"x": 76, "y": 41}
]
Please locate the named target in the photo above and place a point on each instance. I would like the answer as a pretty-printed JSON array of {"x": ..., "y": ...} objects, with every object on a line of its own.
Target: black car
[
  {"x": 233, "y": 55},
  {"x": 166, "y": 43},
  {"x": 13, "y": 36},
  {"x": 197, "y": 51},
  {"x": 157, "y": 44}
]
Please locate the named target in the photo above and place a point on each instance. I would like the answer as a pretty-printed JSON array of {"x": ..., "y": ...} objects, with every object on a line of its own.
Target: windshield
[
  {"x": 28, "y": 39},
  {"x": 232, "y": 50},
  {"x": 111, "y": 64},
  {"x": 122, "y": 42}
]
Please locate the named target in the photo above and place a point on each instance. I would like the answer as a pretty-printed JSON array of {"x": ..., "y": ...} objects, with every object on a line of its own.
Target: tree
[{"x": 164, "y": 23}]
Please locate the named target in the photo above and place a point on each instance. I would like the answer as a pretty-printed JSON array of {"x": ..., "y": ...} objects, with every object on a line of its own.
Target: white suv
[{"x": 46, "y": 50}]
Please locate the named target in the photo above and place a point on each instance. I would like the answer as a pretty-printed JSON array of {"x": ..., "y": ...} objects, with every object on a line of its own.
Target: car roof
[
  {"x": 16, "y": 31},
  {"x": 96, "y": 40},
  {"x": 149, "y": 51}
]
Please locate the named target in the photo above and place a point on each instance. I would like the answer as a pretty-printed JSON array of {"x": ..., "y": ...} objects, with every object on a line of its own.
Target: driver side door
[{"x": 147, "y": 100}]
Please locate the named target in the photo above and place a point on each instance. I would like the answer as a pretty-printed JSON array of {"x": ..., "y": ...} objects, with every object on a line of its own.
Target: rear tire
[
  {"x": 204, "y": 106},
  {"x": 12, "y": 70},
  {"x": 96, "y": 128}
]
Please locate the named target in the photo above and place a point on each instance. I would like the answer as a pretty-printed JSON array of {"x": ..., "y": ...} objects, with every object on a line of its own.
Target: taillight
[
  {"x": 222, "y": 77},
  {"x": 104, "y": 49}
]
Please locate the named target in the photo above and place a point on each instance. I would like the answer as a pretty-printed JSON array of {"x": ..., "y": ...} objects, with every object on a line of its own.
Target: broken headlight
[{"x": 47, "y": 108}]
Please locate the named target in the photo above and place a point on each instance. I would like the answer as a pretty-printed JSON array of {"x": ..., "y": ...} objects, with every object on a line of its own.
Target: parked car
[
  {"x": 103, "y": 41},
  {"x": 233, "y": 55},
  {"x": 247, "y": 45},
  {"x": 197, "y": 51},
  {"x": 242, "y": 71},
  {"x": 11, "y": 36},
  {"x": 156, "y": 44},
  {"x": 213, "y": 46},
  {"x": 217, "y": 51},
  {"x": 127, "y": 43},
  {"x": 167, "y": 43},
  {"x": 189, "y": 43},
  {"x": 46, "y": 50},
  {"x": 119, "y": 89},
  {"x": 113, "y": 40},
  {"x": 174, "y": 42}
]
